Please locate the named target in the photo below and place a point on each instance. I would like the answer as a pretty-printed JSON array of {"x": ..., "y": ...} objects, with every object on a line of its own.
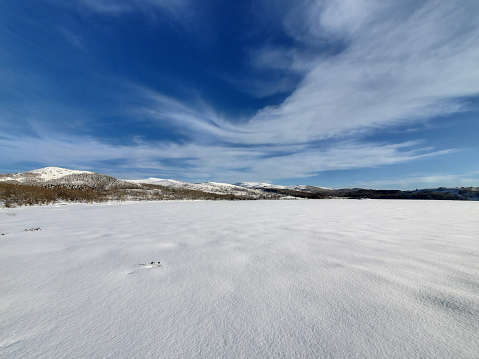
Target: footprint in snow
[{"x": 150, "y": 265}]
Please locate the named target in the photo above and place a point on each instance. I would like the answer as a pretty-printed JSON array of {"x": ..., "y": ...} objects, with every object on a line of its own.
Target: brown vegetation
[{"x": 15, "y": 194}]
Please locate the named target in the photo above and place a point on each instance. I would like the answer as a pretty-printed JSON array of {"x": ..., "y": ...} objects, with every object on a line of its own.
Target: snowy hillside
[
  {"x": 160, "y": 182},
  {"x": 54, "y": 185},
  {"x": 209, "y": 187},
  {"x": 259, "y": 185},
  {"x": 251, "y": 279},
  {"x": 42, "y": 175},
  {"x": 56, "y": 176}
]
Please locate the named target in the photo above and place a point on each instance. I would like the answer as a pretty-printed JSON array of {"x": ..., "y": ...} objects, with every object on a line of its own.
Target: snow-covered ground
[{"x": 252, "y": 279}]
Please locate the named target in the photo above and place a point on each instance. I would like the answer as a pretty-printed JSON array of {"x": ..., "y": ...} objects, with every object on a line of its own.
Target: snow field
[{"x": 252, "y": 279}]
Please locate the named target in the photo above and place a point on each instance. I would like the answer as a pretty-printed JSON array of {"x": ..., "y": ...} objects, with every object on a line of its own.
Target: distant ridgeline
[{"x": 54, "y": 184}]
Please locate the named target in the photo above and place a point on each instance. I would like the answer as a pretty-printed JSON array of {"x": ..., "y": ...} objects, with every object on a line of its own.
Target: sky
[{"x": 350, "y": 93}]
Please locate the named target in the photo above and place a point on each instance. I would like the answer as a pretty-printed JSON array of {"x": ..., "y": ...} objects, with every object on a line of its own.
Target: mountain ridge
[{"x": 96, "y": 186}]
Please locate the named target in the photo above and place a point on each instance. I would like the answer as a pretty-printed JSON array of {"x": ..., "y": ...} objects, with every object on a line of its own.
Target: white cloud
[
  {"x": 425, "y": 180},
  {"x": 395, "y": 69},
  {"x": 204, "y": 162},
  {"x": 342, "y": 156}
]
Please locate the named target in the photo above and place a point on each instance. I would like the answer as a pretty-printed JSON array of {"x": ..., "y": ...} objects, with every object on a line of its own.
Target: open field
[{"x": 249, "y": 279}]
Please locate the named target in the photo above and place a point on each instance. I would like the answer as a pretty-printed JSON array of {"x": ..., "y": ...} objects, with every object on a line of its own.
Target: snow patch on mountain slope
[
  {"x": 204, "y": 186},
  {"x": 160, "y": 182},
  {"x": 219, "y": 184},
  {"x": 260, "y": 185},
  {"x": 51, "y": 173},
  {"x": 176, "y": 183},
  {"x": 302, "y": 187},
  {"x": 211, "y": 187}
]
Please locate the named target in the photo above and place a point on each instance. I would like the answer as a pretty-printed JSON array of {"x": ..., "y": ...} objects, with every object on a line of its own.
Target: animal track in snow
[{"x": 144, "y": 266}]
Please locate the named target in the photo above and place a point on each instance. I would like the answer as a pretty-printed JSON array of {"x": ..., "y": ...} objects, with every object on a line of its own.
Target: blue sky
[{"x": 351, "y": 93}]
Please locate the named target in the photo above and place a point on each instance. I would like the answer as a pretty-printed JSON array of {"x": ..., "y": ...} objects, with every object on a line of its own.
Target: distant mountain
[
  {"x": 209, "y": 187},
  {"x": 259, "y": 185},
  {"x": 160, "y": 182},
  {"x": 61, "y": 184},
  {"x": 41, "y": 175}
]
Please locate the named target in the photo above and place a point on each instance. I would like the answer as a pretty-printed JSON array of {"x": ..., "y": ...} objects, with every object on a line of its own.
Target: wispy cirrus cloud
[
  {"x": 401, "y": 64},
  {"x": 118, "y": 7}
]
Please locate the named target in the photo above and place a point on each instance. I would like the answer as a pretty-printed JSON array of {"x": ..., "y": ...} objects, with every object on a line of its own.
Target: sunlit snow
[
  {"x": 251, "y": 279},
  {"x": 42, "y": 174}
]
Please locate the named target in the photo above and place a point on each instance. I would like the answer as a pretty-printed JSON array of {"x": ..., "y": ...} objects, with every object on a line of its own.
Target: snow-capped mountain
[
  {"x": 41, "y": 175},
  {"x": 57, "y": 176}
]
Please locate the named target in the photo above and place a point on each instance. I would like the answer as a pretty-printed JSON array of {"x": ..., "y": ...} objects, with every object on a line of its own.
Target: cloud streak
[
  {"x": 396, "y": 69},
  {"x": 210, "y": 162},
  {"x": 116, "y": 7},
  {"x": 422, "y": 180}
]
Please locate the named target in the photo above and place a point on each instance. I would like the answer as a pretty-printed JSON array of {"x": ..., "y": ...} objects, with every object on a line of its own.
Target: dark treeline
[{"x": 361, "y": 193}]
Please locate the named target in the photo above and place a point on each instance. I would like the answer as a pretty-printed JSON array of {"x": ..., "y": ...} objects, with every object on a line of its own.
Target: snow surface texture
[{"x": 261, "y": 279}]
